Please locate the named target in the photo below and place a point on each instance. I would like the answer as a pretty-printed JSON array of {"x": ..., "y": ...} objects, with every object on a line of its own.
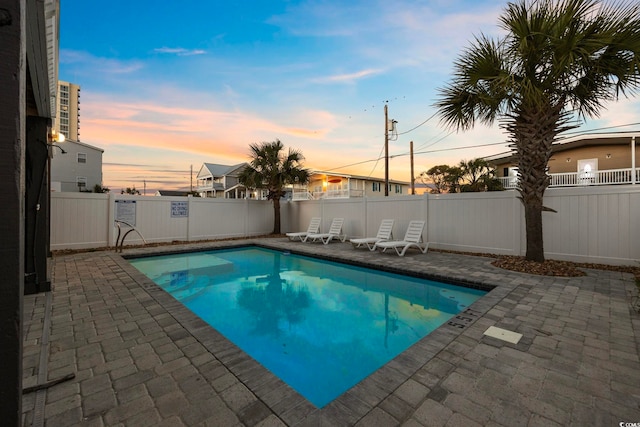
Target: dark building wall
[
  {"x": 12, "y": 185},
  {"x": 36, "y": 205}
]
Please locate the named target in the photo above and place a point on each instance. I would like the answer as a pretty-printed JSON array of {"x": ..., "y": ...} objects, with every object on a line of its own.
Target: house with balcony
[
  {"x": 331, "y": 185},
  {"x": 214, "y": 180},
  {"x": 582, "y": 160}
]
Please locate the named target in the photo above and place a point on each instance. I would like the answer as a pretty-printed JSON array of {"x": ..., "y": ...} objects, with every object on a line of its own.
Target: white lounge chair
[
  {"x": 412, "y": 238},
  {"x": 314, "y": 227},
  {"x": 335, "y": 231},
  {"x": 385, "y": 232}
]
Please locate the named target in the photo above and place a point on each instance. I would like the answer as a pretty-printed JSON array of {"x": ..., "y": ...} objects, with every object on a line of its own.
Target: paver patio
[{"x": 140, "y": 358}]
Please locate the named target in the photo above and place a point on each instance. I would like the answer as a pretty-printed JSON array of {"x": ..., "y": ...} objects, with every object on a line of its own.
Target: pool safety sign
[
  {"x": 126, "y": 211},
  {"x": 179, "y": 209}
]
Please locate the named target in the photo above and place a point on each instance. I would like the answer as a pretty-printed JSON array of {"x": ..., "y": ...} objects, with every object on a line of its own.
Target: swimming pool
[{"x": 318, "y": 325}]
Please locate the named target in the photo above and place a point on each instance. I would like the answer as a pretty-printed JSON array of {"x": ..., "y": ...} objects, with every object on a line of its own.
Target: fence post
[
  {"x": 111, "y": 209},
  {"x": 424, "y": 214},
  {"x": 518, "y": 231},
  {"x": 189, "y": 200},
  {"x": 365, "y": 216},
  {"x": 246, "y": 217}
]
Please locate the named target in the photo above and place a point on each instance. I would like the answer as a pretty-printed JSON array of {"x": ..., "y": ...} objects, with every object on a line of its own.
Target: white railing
[
  {"x": 204, "y": 187},
  {"x": 575, "y": 179},
  {"x": 301, "y": 195},
  {"x": 329, "y": 194},
  {"x": 337, "y": 194}
]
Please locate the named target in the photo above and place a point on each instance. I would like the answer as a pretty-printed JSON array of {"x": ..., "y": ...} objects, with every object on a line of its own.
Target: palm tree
[
  {"x": 559, "y": 63},
  {"x": 271, "y": 169}
]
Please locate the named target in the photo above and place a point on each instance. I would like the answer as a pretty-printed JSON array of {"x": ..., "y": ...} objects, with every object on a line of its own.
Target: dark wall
[
  {"x": 36, "y": 206},
  {"x": 12, "y": 136}
]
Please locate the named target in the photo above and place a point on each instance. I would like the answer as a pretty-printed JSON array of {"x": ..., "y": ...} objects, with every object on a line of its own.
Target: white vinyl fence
[
  {"x": 595, "y": 224},
  {"x": 82, "y": 221}
]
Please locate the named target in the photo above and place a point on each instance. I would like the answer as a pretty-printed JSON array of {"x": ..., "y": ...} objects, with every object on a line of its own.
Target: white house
[
  {"x": 75, "y": 166},
  {"x": 331, "y": 185},
  {"x": 214, "y": 180},
  {"x": 582, "y": 160}
]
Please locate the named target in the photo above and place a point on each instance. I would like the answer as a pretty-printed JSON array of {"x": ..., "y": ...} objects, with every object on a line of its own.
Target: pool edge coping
[{"x": 278, "y": 396}]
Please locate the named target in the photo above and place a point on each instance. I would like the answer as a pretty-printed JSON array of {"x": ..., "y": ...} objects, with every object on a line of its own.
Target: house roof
[
  {"x": 582, "y": 140},
  {"x": 234, "y": 187},
  {"x": 364, "y": 178},
  {"x": 171, "y": 193},
  {"x": 214, "y": 169},
  {"x": 82, "y": 144}
]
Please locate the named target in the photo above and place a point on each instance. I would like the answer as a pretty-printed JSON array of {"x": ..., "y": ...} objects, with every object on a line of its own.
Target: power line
[
  {"x": 416, "y": 127},
  {"x": 453, "y": 149},
  {"x": 463, "y": 148},
  {"x": 604, "y": 128},
  {"x": 380, "y": 156},
  {"x": 436, "y": 141},
  {"x": 419, "y": 152}
]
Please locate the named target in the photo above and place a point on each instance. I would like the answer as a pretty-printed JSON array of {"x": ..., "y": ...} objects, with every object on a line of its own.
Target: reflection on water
[
  {"x": 320, "y": 326},
  {"x": 274, "y": 299}
]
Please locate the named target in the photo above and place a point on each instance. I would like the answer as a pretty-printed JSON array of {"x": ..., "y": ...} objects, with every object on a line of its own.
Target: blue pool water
[{"x": 320, "y": 326}]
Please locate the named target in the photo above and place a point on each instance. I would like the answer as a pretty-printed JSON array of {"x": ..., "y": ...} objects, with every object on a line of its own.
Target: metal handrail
[{"x": 132, "y": 228}]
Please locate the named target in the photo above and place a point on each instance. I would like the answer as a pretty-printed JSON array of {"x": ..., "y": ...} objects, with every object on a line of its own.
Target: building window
[
  {"x": 376, "y": 186},
  {"x": 398, "y": 189},
  {"x": 82, "y": 158},
  {"x": 82, "y": 182}
]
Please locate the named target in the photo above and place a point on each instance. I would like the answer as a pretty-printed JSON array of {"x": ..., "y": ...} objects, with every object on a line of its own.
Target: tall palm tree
[
  {"x": 559, "y": 63},
  {"x": 272, "y": 169}
]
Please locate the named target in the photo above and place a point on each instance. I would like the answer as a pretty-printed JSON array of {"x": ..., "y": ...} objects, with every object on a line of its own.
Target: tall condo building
[{"x": 67, "y": 120}]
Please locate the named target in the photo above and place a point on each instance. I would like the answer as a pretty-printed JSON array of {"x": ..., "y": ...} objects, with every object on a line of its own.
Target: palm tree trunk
[
  {"x": 276, "y": 215},
  {"x": 534, "y": 131},
  {"x": 533, "y": 228}
]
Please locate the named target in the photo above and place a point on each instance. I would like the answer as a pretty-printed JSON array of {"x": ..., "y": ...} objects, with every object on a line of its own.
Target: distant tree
[
  {"x": 130, "y": 191},
  {"x": 272, "y": 169},
  {"x": 444, "y": 178},
  {"x": 100, "y": 189},
  {"x": 478, "y": 175}
]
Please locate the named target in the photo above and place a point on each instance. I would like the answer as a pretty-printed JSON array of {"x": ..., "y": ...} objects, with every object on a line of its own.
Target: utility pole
[
  {"x": 191, "y": 179},
  {"x": 386, "y": 151},
  {"x": 413, "y": 179}
]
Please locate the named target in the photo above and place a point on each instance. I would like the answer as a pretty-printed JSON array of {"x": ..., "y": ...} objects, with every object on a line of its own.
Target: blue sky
[{"x": 166, "y": 87}]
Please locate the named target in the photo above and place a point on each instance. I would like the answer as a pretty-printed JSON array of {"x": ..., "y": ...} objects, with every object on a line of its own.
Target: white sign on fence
[
  {"x": 126, "y": 211},
  {"x": 179, "y": 209}
]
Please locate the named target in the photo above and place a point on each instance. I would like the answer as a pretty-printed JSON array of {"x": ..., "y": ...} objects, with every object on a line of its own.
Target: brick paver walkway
[{"x": 140, "y": 358}]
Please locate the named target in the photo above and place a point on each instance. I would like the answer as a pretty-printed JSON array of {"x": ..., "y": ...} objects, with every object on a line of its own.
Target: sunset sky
[{"x": 167, "y": 86}]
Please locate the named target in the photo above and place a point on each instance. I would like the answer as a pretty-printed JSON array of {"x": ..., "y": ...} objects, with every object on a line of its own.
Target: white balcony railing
[
  {"x": 575, "y": 179},
  {"x": 329, "y": 194},
  {"x": 337, "y": 194},
  {"x": 204, "y": 187},
  {"x": 301, "y": 195}
]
